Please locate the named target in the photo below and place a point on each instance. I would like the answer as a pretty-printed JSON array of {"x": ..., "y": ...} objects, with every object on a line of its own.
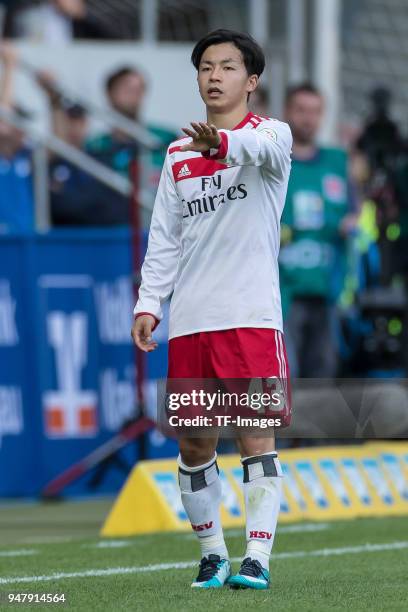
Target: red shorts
[
  {"x": 241, "y": 353},
  {"x": 245, "y": 352}
]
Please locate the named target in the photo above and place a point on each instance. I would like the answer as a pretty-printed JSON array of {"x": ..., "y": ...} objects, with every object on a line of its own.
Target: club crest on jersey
[
  {"x": 269, "y": 133},
  {"x": 184, "y": 171}
]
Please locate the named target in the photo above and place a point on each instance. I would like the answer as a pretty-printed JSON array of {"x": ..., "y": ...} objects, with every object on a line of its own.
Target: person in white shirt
[{"x": 213, "y": 244}]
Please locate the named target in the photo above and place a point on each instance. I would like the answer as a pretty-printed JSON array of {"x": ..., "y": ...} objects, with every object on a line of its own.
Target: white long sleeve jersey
[{"x": 215, "y": 232}]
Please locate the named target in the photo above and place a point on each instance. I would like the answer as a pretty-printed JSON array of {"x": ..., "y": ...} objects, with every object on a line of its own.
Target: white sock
[
  {"x": 201, "y": 496},
  {"x": 262, "y": 494}
]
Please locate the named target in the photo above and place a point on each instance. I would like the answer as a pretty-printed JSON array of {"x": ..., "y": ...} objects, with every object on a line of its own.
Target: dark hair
[
  {"x": 306, "y": 87},
  {"x": 75, "y": 111},
  {"x": 113, "y": 78},
  {"x": 253, "y": 56}
]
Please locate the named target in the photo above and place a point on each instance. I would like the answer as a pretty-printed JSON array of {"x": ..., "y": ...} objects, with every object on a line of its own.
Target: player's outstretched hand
[
  {"x": 142, "y": 333},
  {"x": 204, "y": 137}
]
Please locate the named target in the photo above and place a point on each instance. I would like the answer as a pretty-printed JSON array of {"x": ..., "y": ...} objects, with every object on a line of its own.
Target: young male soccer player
[{"x": 214, "y": 242}]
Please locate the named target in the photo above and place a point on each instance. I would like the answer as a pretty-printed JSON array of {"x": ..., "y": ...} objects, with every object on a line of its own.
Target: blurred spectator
[
  {"x": 401, "y": 246},
  {"x": 259, "y": 102},
  {"x": 126, "y": 89},
  {"x": 16, "y": 185},
  {"x": 382, "y": 144},
  {"x": 380, "y": 139},
  {"x": 314, "y": 225},
  {"x": 69, "y": 119},
  {"x": 55, "y": 21},
  {"x": 76, "y": 197}
]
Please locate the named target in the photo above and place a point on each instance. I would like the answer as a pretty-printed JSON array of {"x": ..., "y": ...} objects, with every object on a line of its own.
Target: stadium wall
[{"x": 67, "y": 361}]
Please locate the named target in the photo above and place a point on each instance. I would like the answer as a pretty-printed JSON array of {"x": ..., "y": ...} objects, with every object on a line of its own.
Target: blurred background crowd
[{"x": 344, "y": 255}]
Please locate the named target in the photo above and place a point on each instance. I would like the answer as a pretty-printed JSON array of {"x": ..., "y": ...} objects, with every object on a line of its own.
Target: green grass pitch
[{"x": 359, "y": 565}]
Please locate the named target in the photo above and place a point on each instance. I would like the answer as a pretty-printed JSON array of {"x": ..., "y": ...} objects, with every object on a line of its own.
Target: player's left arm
[{"x": 269, "y": 145}]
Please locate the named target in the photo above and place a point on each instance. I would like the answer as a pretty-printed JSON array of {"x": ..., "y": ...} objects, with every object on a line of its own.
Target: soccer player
[{"x": 213, "y": 243}]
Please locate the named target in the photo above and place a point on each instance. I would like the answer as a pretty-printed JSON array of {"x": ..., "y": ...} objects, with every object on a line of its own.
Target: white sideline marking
[
  {"x": 17, "y": 553},
  {"x": 47, "y": 539},
  {"x": 159, "y": 567},
  {"x": 110, "y": 544},
  {"x": 303, "y": 528},
  {"x": 237, "y": 533}
]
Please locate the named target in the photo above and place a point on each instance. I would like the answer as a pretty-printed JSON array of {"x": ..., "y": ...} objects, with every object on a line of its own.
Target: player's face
[
  {"x": 127, "y": 95},
  {"x": 223, "y": 80},
  {"x": 304, "y": 114}
]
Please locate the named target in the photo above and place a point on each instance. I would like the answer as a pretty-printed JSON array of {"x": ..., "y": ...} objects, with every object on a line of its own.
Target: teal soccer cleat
[
  {"x": 213, "y": 573},
  {"x": 251, "y": 575}
]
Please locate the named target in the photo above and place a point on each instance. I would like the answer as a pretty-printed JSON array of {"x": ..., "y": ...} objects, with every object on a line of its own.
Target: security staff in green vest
[{"x": 315, "y": 223}]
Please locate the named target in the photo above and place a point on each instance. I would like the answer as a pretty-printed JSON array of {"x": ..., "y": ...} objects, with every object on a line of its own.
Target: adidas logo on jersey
[{"x": 184, "y": 171}]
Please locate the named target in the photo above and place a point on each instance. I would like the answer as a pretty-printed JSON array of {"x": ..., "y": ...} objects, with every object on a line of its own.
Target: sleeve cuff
[
  {"x": 156, "y": 320},
  {"x": 221, "y": 151}
]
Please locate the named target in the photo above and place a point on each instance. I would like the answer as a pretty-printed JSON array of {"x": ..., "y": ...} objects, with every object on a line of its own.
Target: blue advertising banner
[
  {"x": 67, "y": 375},
  {"x": 19, "y": 431}
]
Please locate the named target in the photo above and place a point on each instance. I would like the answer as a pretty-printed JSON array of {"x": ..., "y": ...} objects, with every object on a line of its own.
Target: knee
[
  {"x": 250, "y": 447},
  {"x": 196, "y": 452}
]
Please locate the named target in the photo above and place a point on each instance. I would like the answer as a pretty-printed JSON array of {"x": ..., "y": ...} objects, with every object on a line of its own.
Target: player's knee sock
[
  {"x": 201, "y": 496},
  {"x": 262, "y": 494}
]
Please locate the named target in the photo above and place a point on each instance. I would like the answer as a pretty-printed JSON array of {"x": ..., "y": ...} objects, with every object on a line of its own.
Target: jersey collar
[{"x": 244, "y": 121}]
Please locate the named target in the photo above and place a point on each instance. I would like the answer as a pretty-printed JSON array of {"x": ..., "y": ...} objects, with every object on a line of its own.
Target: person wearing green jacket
[
  {"x": 125, "y": 90},
  {"x": 315, "y": 222}
]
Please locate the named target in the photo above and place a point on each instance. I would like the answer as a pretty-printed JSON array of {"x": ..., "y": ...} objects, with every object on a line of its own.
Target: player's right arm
[
  {"x": 269, "y": 145},
  {"x": 160, "y": 266}
]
